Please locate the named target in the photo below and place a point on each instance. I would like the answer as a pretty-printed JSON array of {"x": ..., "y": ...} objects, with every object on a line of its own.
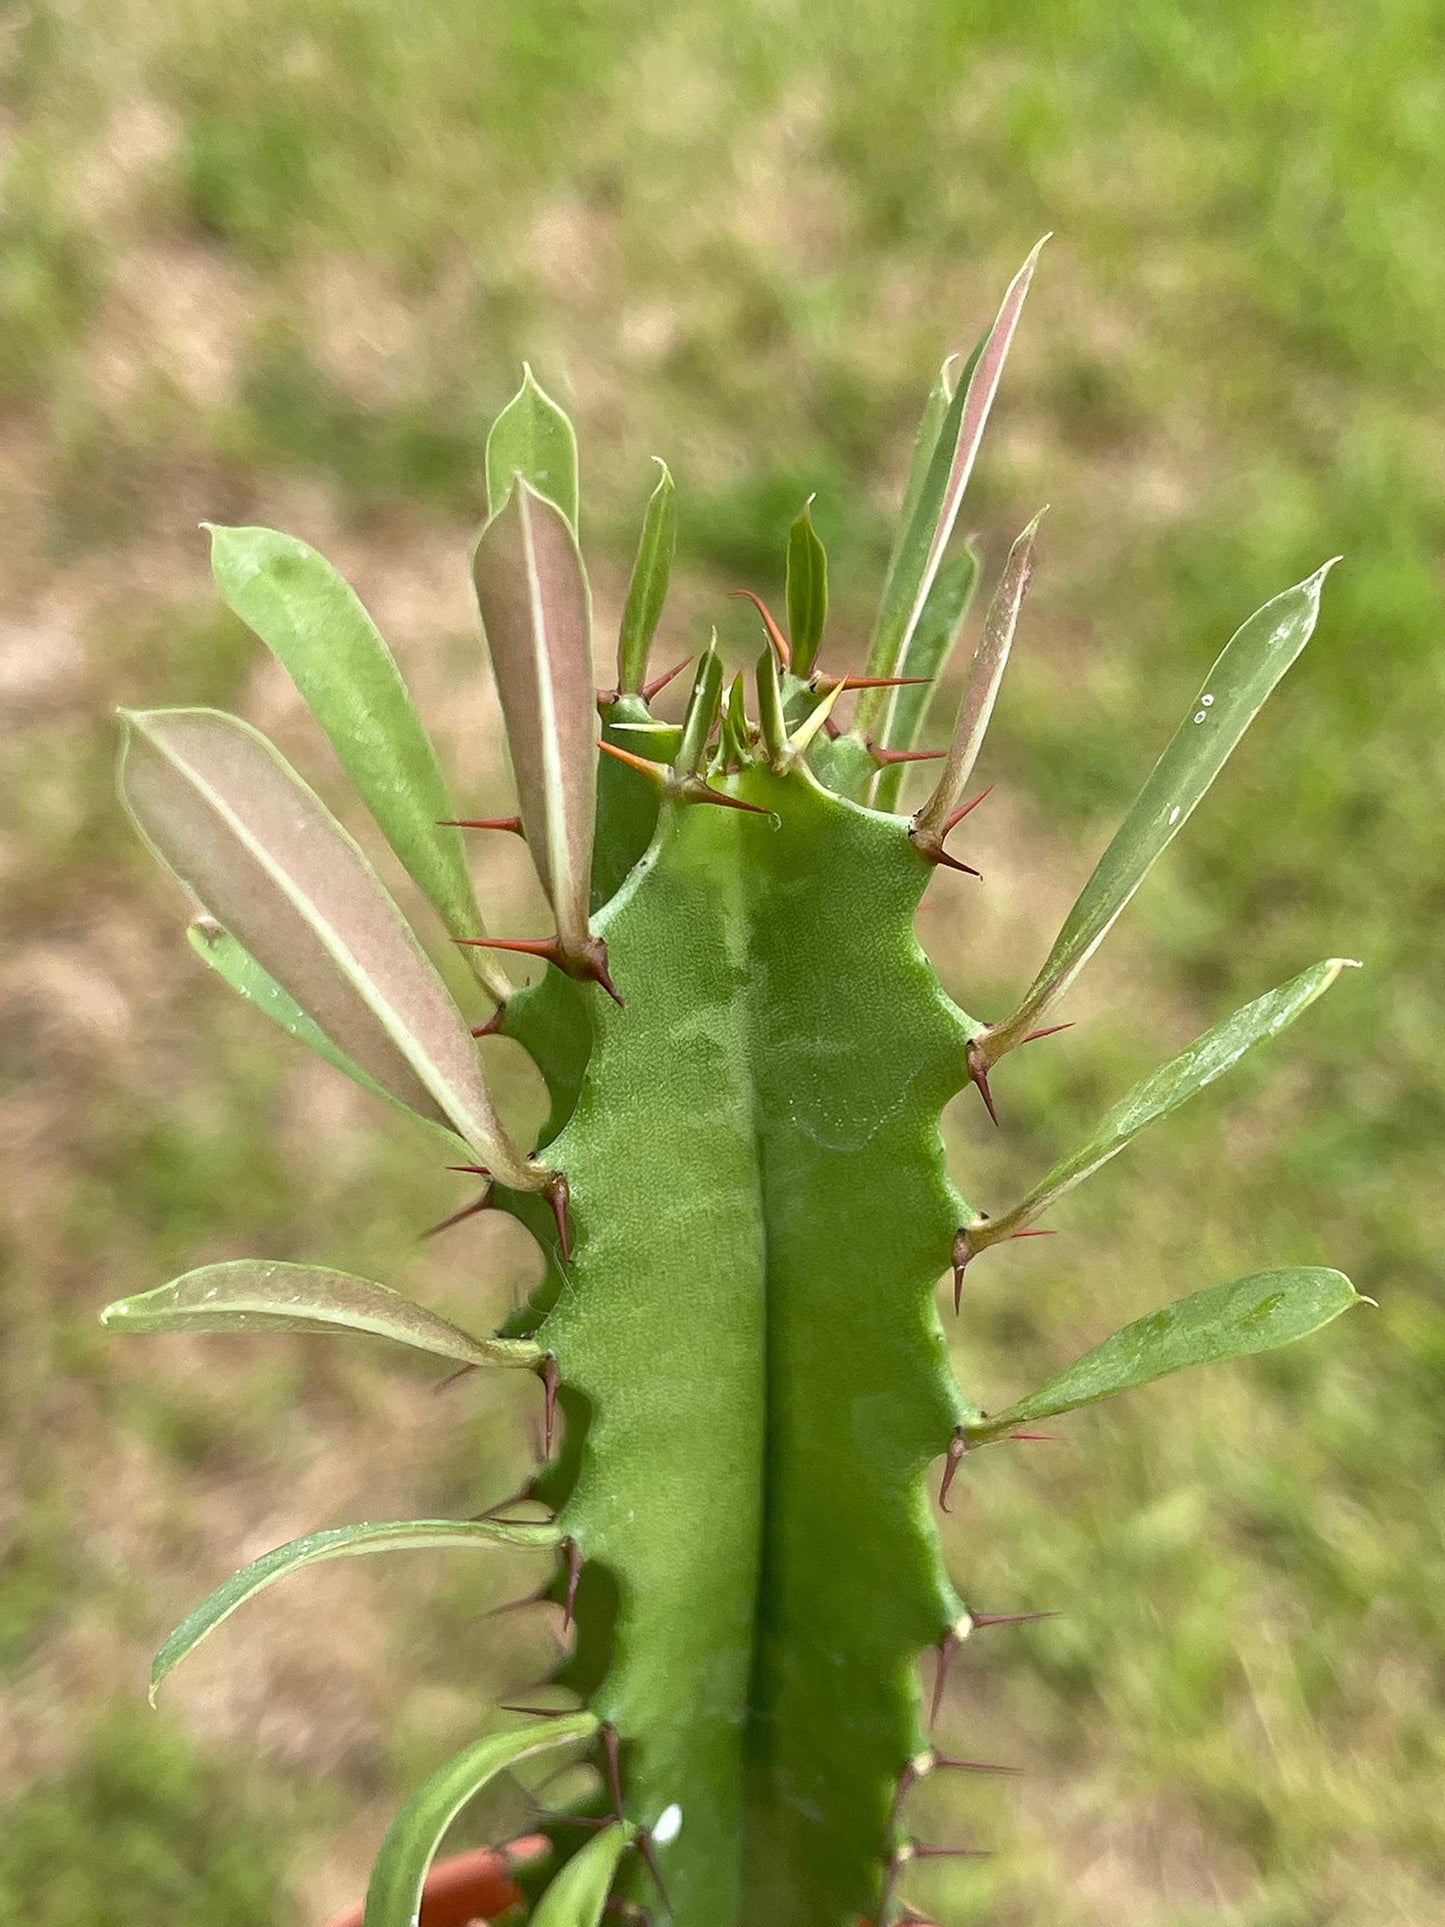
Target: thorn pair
[
  {"x": 692, "y": 790},
  {"x": 948, "y": 1646},
  {"x": 607, "y": 697},
  {"x": 930, "y": 844},
  {"x": 589, "y": 965},
  {"x": 980, "y": 1062},
  {"x": 965, "y": 1250}
]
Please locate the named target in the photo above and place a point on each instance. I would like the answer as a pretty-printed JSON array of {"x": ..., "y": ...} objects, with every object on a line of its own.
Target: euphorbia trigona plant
[{"x": 740, "y": 1194}]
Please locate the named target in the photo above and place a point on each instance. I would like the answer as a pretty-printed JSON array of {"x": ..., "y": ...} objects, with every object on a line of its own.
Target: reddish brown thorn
[
  {"x": 644, "y": 1847},
  {"x": 559, "y": 1198},
  {"x": 528, "y": 946},
  {"x": 972, "y": 1766},
  {"x": 950, "y": 862},
  {"x": 1049, "y": 1030},
  {"x": 510, "y": 823},
  {"x": 1033, "y": 1231},
  {"x": 825, "y": 683},
  {"x": 957, "y": 1446},
  {"x": 528, "y": 1491},
  {"x": 493, "y": 1024},
  {"x": 1036, "y": 1438},
  {"x": 659, "y": 683},
  {"x": 459, "y": 1217},
  {"x": 978, "y": 1075},
  {"x": 964, "y": 808},
  {"x": 574, "y": 1573},
  {"x": 947, "y": 1647},
  {"x": 963, "y": 1256},
  {"x": 883, "y": 757},
  {"x": 452, "y": 1377},
  {"x": 920, "y": 1850},
  {"x": 516, "y": 1605},
  {"x": 1006, "y": 1619},
  {"x": 700, "y": 792},
  {"x": 591, "y": 967},
  {"x": 612, "y": 1753},
  {"x": 471, "y": 1170},
  {"x": 551, "y": 1379},
  {"x": 540, "y": 1712},
  {"x": 831, "y": 729},
  {"x": 657, "y": 772},
  {"x": 775, "y": 634}
]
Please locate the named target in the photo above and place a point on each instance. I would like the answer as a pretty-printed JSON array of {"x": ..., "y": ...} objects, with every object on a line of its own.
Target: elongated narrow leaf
[
  {"x": 537, "y": 615},
  {"x": 255, "y": 1294},
  {"x": 533, "y": 438},
  {"x": 313, "y": 622},
  {"x": 925, "y": 442},
  {"x": 944, "y": 615},
  {"x": 703, "y": 704},
  {"x": 337, "y": 1542},
  {"x": 393, "y": 1898},
  {"x": 261, "y": 853},
  {"x": 236, "y": 967},
  {"x": 1255, "y": 1314},
  {"x": 1164, "y": 1090},
  {"x": 1233, "y": 694},
  {"x": 771, "y": 720},
  {"x": 807, "y": 592},
  {"x": 578, "y": 1894},
  {"x": 647, "y": 591},
  {"x": 980, "y": 690},
  {"x": 921, "y": 547}
]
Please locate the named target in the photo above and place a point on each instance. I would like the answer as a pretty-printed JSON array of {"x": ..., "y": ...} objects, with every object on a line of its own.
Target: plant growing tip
[{"x": 740, "y": 1199}]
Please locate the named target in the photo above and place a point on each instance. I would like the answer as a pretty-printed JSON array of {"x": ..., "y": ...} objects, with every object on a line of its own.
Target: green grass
[{"x": 271, "y": 261}]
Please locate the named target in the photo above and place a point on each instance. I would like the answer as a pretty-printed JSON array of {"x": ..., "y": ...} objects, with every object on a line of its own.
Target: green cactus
[{"x": 741, "y": 1192}]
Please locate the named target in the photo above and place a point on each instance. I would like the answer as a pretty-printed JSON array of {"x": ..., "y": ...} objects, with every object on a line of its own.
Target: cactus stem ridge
[
  {"x": 957, "y": 1446},
  {"x": 512, "y": 824},
  {"x": 775, "y": 635},
  {"x": 472, "y": 1210}
]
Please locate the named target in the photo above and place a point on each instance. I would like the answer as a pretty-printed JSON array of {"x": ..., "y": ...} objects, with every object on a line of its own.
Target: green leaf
[
  {"x": 393, "y": 1898},
  {"x": 1255, "y": 1314},
  {"x": 263, "y": 854},
  {"x": 533, "y": 438},
  {"x": 980, "y": 690},
  {"x": 255, "y": 1294},
  {"x": 1164, "y": 1090},
  {"x": 647, "y": 591},
  {"x": 537, "y": 614},
  {"x": 336, "y": 1542},
  {"x": 236, "y": 967},
  {"x": 771, "y": 720},
  {"x": 926, "y": 535},
  {"x": 312, "y": 620},
  {"x": 578, "y": 1894},
  {"x": 1233, "y": 694},
  {"x": 938, "y": 628},
  {"x": 925, "y": 442},
  {"x": 807, "y": 592},
  {"x": 703, "y": 704}
]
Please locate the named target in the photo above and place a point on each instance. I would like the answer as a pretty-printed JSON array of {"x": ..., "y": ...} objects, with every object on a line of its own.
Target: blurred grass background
[{"x": 281, "y": 262}]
